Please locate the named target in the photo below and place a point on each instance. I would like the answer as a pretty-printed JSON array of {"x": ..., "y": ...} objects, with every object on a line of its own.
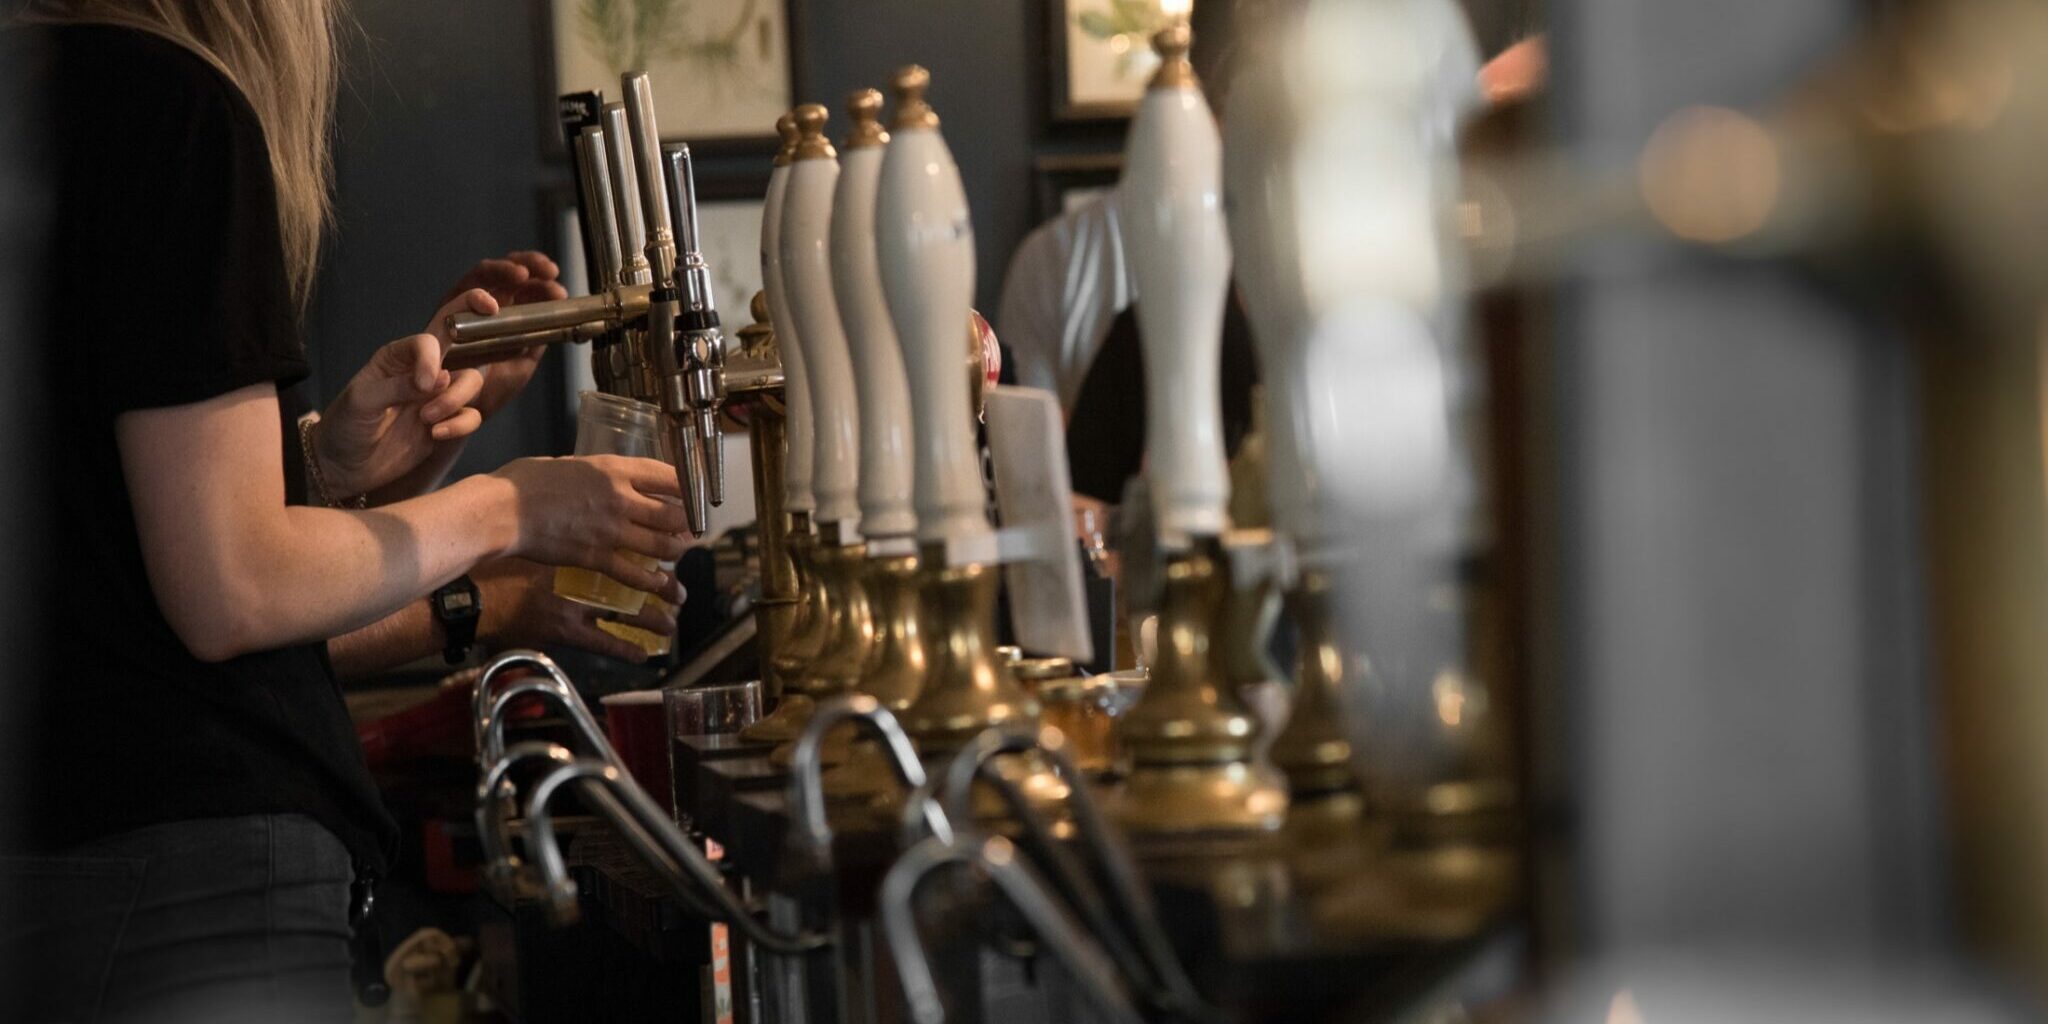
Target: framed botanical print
[
  {"x": 1101, "y": 56},
  {"x": 722, "y": 70}
]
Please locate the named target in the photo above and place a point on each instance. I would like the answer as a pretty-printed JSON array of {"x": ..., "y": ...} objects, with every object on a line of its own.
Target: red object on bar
[
  {"x": 637, "y": 725},
  {"x": 439, "y": 726}
]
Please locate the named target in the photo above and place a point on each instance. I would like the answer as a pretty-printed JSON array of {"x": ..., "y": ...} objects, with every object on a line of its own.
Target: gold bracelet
[{"x": 313, "y": 468}]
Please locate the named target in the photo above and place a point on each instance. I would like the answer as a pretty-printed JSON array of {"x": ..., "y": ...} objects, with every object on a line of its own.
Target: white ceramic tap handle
[
  {"x": 885, "y": 455},
  {"x": 1262, "y": 197},
  {"x": 924, "y": 243},
  {"x": 806, "y": 231},
  {"x": 1171, "y": 201},
  {"x": 796, "y": 395}
]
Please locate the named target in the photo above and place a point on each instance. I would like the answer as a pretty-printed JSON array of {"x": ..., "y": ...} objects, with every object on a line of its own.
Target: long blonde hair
[{"x": 281, "y": 55}]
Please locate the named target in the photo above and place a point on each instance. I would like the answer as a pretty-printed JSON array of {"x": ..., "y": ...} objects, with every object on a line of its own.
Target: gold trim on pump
[
  {"x": 912, "y": 112},
  {"x": 969, "y": 689},
  {"x": 864, "y": 106},
  {"x": 1188, "y": 738}
]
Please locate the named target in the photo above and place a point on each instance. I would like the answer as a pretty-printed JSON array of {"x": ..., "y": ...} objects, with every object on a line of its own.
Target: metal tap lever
[
  {"x": 607, "y": 359},
  {"x": 997, "y": 859},
  {"x": 646, "y": 827},
  {"x": 699, "y": 350},
  {"x": 495, "y": 806},
  {"x": 488, "y": 714},
  {"x": 663, "y": 373},
  {"x": 1114, "y": 903},
  {"x": 806, "y": 770}
]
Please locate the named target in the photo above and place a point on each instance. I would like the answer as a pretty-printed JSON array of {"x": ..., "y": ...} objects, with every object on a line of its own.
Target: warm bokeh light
[
  {"x": 1176, "y": 8},
  {"x": 1710, "y": 174}
]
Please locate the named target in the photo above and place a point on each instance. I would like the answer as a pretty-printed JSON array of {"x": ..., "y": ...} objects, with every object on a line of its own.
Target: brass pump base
[
  {"x": 807, "y": 634},
  {"x": 1188, "y": 738},
  {"x": 894, "y": 678},
  {"x": 969, "y": 689},
  {"x": 1314, "y": 749},
  {"x": 849, "y": 639},
  {"x": 805, "y": 639}
]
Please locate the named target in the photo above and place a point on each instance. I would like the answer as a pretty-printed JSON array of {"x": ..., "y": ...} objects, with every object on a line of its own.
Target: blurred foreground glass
[
  {"x": 721, "y": 710},
  {"x": 610, "y": 425}
]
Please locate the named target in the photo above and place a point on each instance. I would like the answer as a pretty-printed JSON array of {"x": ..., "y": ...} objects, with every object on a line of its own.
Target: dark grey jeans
[{"x": 223, "y": 919}]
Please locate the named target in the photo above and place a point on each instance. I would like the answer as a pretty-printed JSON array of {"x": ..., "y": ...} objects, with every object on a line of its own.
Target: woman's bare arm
[{"x": 235, "y": 570}]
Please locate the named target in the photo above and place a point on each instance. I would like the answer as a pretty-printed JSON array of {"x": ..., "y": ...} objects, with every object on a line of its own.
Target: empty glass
[
  {"x": 719, "y": 710},
  {"x": 610, "y": 425}
]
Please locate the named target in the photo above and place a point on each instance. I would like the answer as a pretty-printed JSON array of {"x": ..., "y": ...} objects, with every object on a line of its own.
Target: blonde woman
[{"x": 200, "y": 818}]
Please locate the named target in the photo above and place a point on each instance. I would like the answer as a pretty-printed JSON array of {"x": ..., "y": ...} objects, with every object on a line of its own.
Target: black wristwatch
[{"x": 457, "y": 607}]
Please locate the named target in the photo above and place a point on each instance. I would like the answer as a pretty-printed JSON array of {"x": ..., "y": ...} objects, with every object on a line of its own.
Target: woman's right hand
[{"x": 596, "y": 511}]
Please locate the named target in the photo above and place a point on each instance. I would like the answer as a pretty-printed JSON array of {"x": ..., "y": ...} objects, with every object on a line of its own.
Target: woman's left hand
[
  {"x": 397, "y": 410},
  {"x": 520, "y": 277}
]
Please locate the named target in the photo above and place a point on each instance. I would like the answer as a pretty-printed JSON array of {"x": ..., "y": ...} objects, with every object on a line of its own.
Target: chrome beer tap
[
  {"x": 594, "y": 180},
  {"x": 665, "y": 381},
  {"x": 699, "y": 350}
]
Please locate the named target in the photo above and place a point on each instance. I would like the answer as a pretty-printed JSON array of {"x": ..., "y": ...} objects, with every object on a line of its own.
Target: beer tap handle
[
  {"x": 618, "y": 154},
  {"x": 646, "y": 139},
  {"x": 489, "y": 708},
  {"x": 1113, "y": 902},
  {"x": 796, "y": 391},
  {"x": 664, "y": 374},
  {"x": 807, "y": 282},
  {"x": 924, "y": 243},
  {"x": 1059, "y": 934},
  {"x": 654, "y": 837},
  {"x": 701, "y": 354},
  {"x": 575, "y": 111},
  {"x": 495, "y": 804},
  {"x": 1171, "y": 206},
  {"x": 597, "y": 204},
  {"x": 884, "y": 391}
]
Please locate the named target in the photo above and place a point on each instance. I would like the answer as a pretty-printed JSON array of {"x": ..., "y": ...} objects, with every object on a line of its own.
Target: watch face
[{"x": 460, "y": 601}]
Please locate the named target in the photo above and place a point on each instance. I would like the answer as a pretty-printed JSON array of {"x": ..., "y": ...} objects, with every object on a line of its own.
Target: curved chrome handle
[
  {"x": 1115, "y": 903},
  {"x": 996, "y": 857},
  {"x": 691, "y": 876},
  {"x": 571, "y": 706},
  {"x": 494, "y": 794},
  {"x": 806, "y": 769},
  {"x": 481, "y": 712}
]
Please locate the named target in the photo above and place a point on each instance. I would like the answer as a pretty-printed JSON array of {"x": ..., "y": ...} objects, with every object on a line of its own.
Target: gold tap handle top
[
  {"x": 811, "y": 141},
  {"x": 785, "y": 126},
  {"x": 865, "y": 107},
  {"x": 1175, "y": 71},
  {"x": 910, "y": 82},
  {"x": 758, "y": 308}
]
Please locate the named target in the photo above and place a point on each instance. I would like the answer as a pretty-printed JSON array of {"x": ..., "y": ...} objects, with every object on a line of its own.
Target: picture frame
[
  {"x": 1061, "y": 182},
  {"x": 719, "y": 92},
  {"x": 1099, "y": 57}
]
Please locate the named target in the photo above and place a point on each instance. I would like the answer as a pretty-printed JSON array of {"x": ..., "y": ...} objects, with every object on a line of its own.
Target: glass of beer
[
  {"x": 655, "y": 644},
  {"x": 610, "y": 425}
]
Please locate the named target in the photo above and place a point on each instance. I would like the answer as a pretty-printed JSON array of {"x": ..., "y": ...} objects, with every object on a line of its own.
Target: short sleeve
[
  {"x": 1027, "y": 315},
  {"x": 167, "y": 235}
]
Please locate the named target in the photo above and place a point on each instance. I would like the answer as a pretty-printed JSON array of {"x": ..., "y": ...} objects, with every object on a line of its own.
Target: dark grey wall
[
  {"x": 440, "y": 162},
  {"x": 1744, "y": 665}
]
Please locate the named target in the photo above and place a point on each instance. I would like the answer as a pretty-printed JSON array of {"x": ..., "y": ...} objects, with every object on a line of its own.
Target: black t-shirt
[
  {"x": 167, "y": 286},
  {"x": 1106, "y": 433}
]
